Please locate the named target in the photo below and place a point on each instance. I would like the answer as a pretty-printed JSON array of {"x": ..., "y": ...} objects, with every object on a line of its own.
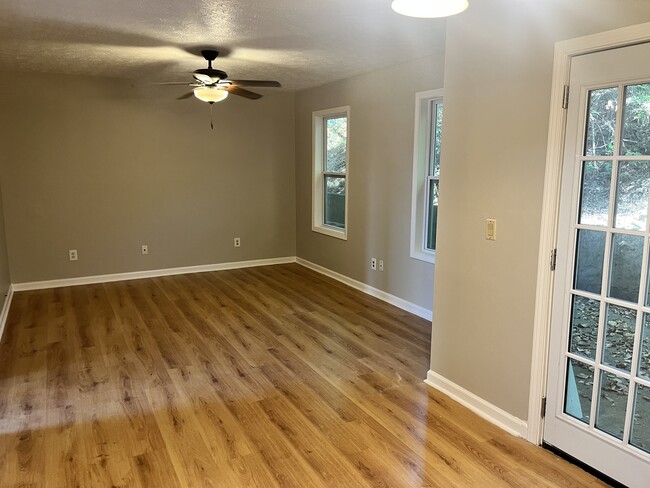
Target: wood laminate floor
[{"x": 260, "y": 377}]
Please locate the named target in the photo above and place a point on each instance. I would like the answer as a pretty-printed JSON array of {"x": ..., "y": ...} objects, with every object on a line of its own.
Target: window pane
[
  {"x": 336, "y": 135},
  {"x": 594, "y": 202},
  {"x": 640, "y": 436},
  {"x": 334, "y": 201},
  {"x": 620, "y": 324},
  {"x": 432, "y": 214},
  {"x": 625, "y": 271},
  {"x": 636, "y": 121},
  {"x": 579, "y": 384},
  {"x": 612, "y": 404},
  {"x": 590, "y": 254},
  {"x": 436, "y": 138},
  {"x": 601, "y": 122},
  {"x": 584, "y": 326},
  {"x": 632, "y": 195}
]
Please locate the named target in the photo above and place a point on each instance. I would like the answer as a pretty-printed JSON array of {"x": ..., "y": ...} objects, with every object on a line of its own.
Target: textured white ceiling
[{"x": 301, "y": 43}]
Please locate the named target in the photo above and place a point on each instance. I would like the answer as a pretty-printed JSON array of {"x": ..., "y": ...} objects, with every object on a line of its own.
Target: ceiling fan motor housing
[{"x": 214, "y": 74}]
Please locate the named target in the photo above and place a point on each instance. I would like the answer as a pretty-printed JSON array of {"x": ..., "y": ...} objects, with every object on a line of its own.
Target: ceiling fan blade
[
  {"x": 173, "y": 83},
  {"x": 235, "y": 90},
  {"x": 203, "y": 78},
  {"x": 261, "y": 83},
  {"x": 187, "y": 95}
]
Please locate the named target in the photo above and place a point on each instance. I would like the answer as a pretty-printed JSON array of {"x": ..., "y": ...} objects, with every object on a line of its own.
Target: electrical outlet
[
  {"x": 373, "y": 264},
  {"x": 72, "y": 254},
  {"x": 237, "y": 242},
  {"x": 145, "y": 249},
  {"x": 381, "y": 265}
]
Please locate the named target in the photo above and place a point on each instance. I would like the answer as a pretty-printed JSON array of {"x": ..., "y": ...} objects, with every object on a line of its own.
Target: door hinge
[
  {"x": 553, "y": 259},
  {"x": 543, "y": 412},
  {"x": 565, "y": 97}
]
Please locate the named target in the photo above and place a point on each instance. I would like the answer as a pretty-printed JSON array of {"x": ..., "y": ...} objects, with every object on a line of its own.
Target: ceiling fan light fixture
[
  {"x": 429, "y": 8},
  {"x": 210, "y": 94}
]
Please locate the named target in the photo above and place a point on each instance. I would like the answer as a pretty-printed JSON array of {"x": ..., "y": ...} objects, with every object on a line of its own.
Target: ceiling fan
[{"x": 213, "y": 85}]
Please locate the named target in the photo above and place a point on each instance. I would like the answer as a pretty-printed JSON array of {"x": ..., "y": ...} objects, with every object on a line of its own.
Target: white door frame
[{"x": 564, "y": 51}]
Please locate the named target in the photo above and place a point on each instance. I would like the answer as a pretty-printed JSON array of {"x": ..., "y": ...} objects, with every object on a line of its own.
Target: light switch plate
[{"x": 491, "y": 229}]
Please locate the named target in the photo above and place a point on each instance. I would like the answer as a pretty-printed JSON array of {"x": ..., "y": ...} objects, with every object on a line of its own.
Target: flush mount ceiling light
[
  {"x": 429, "y": 8},
  {"x": 210, "y": 94}
]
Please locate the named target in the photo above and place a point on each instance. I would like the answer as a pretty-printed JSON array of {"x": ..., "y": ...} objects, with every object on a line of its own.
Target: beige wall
[
  {"x": 499, "y": 60},
  {"x": 382, "y": 105},
  {"x": 5, "y": 279},
  {"x": 106, "y": 166}
]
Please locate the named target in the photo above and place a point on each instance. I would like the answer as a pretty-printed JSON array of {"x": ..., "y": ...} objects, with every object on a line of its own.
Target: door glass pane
[
  {"x": 336, "y": 136},
  {"x": 432, "y": 214},
  {"x": 335, "y": 201},
  {"x": 594, "y": 201},
  {"x": 579, "y": 384},
  {"x": 612, "y": 404},
  {"x": 589, "y": 260},
  {"x": 601, "y": 122},
  {"x": 620, "y": 325},
  {"x": 632, "y": 195},
  {"x": 636, "y": 121},
  {"x": 644, "y": 358},
  {"x": 625, "y": 272},
  {"x": 584, "y": 326},
  {"x": 640, "y": 435}
]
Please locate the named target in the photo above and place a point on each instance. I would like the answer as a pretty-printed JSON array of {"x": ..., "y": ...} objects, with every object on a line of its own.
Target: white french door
[{"x": 598, "y": 406}]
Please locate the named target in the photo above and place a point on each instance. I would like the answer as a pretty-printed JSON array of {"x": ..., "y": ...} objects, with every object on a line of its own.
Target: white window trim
[
  {"x": 421, "y": 137},
  {"x": 317, "y": 224}
]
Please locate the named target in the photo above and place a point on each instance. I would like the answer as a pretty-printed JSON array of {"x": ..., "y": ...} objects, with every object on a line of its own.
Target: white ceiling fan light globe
[
  {"x": 429, "y": 8},
  {"x": 210, "y": 94}
]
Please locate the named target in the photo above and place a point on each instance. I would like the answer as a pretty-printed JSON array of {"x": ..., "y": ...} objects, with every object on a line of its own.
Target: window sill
[
  {"x": 427, "y": 256},
  {"x": 331, "y": 231}
]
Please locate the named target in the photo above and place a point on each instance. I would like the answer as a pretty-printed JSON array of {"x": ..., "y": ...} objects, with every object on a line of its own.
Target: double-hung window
[
  {"x": 331, "y": 169},
  {"x": 426, "y": 174}
]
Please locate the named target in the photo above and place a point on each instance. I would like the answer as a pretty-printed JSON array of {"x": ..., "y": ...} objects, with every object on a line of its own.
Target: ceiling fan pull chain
[{"x": 211, "y": 124}]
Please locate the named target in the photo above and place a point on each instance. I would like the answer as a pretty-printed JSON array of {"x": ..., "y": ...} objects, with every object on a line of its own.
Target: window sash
[
  {"x": 433, "y": 145},
  {"x": 333, "y": 212},
  {"x": 326, "y": 141},
  {"x": 428, "y": 232},
  {"x": 332, "y": 209}
]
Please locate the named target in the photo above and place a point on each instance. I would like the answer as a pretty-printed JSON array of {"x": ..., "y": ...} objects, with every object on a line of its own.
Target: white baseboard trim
[
  {"x": 136, "y": 275},
  {"x": 5, "y": 309},
  {"x": 370, "y": 290},
  {"x": 479, "y": 406}
]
